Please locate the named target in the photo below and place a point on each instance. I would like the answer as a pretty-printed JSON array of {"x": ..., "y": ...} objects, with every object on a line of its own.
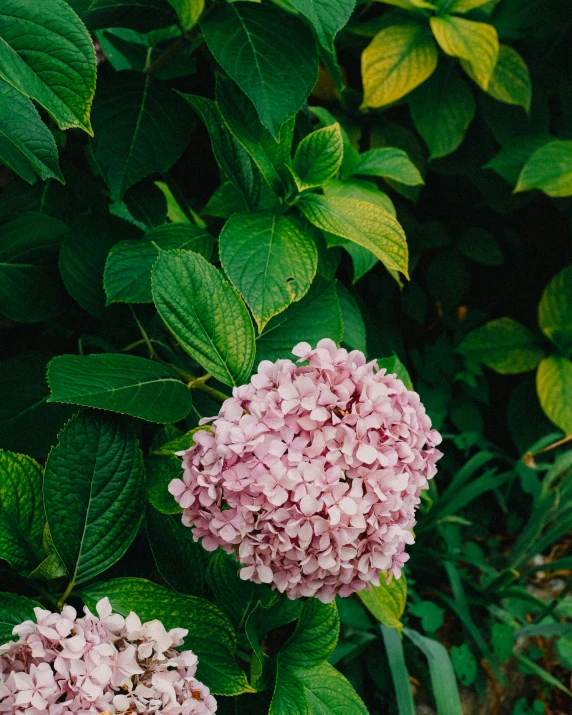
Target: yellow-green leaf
[
  {"x": 410, "y": 4},
  {"x": 555, "y": 310},
  {"x": 398, "y": 59},
  {"x": 549, "y": 169},
  {"x": 511, "y": 82},
  {"x": 463, "y": 6},
  {"x": 188, "y": 11},
  {"x": 554, "y": 387},
  {"x": 475, "y": 43},
  {"x": 386, "y": 602}
]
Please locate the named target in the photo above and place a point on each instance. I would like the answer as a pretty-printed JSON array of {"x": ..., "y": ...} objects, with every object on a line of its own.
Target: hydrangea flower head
[
  {"x": 311, "y": 473},
  {"x": 99, "y": 665}
]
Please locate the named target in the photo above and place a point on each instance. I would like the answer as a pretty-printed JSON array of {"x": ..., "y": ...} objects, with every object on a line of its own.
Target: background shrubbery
[{"x": 393, "y": 176}]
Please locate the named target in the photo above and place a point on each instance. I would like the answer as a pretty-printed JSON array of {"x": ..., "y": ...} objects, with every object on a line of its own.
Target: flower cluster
[
  {"x": 311, "y": 473},
  {"x": 64, "y": 665}
]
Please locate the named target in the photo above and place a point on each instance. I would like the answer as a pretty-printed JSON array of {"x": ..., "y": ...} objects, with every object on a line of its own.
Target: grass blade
[{"x": 399, "y": 672}]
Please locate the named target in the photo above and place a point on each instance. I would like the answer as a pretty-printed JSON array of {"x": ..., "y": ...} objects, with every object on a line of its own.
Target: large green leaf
[
  {"x": 140, "y": 15},
  {"x": 83, "y": 255},
  {"x": 160, "y": 471},
  {"x": 46, "y": 53},
  {"x": 511, "y": 81},
  {"x": 26, "y": 144},
  {"x": 363, "y": 223},
  {"x": 230, "y": 154},
  {"x": 315, "y": 636},
  {"x": 555, "y": 310},
  {"x": 121, "y": 383},
  {"x": 504, "y": 345},
  {"x": 270, "y": 55},
  {"x": 549, "y": 169},
  {"x": 398, "y": 59},
  {"x": 29, "y": 287},
  {"x": 554, "y": 387},
  {"x": 386, "y": 602},
  {"x": 27, "y": 423},
  {"x": 205, "y": 314},
  {"x": 316, "y": 316},
  {"x": 93, "y": 492},
  {"x": 14, "y": 610},
  {"x": 442, "y": 109},
  {"x": 318, "y": 157},
  {"x": 389, "y": 163},
  {"x": 354, "y": 327},
  {"x": 140, "y": 125},
  {"x": 21, "y": 512},
  {"x": 127, "y": 276},
  {"x": 361, "y": 189},
  {"x": 270, "y": 260},
  {"x": 211, "y": 636},
  {"x": 475, "y": 43}
]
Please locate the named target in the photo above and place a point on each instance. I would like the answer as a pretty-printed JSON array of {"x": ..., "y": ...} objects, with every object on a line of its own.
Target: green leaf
[
  {"x": 398, "y": 59},
  {"x": 140, "y": 125},
  {"x": 389, "y": 163},
  {"x": 367, "y": 225},
  {"x": 21, "y": 512},
  {"x": 554, "y": 387},
  {"x": 180, "y": 560},
  {"x": 315, "y": 636},
  {"x": 480, "y": 246},
  {"x": 504, "y": 345},
  {"x": 231, "y": 156},
  {"x": 393, "y": 365},
  {"x": 430, "y": 614},
  {"x": 127, "y": 276},
  {"x": 359, "y": 189},
  {"x": 140, "y": 15},
  {"x": 121, "y": 383},
  {"x": 26, "y": 143},
  {"x": 511, "y": 81},
  {"x": 464, "y": 664},
  {"x": 354, "y": 327},
  {"x": 475, "y": 43},
  {"x": 555, "y": 310},
  {"x": 318, "y": 157},
  {"x": 160, "y": 471},
  {"x": 502, "y": 641},
  {"x": 83, "y": 255},
  {"x": 52, "y": 566},
  {"x": 211, "y": 636},
  {"x": 188, "y": 11},
  {"x": 442, "y": 109},
  {"x": 205, "y": 314},
  {"x": 29, "y": 288},
  {"x": 399, "y": 673},
  {"x": 510, "y": 160},
  {"x": 46, "y": 53},
  {"x": 549, "y": 169},
  {"x": 93, "y": 491},
  {"x": 441, "y": 671},
  {"x": 464, "y": 6},
  {"x": 238, "y": 34},
  {"x": 315, "y": 317},
  {"x": 27, "y": 423},
  {"x": 386, "y": 602},
  {"x": 13, "y": 611},
  {"x": 270, "y": 259}
]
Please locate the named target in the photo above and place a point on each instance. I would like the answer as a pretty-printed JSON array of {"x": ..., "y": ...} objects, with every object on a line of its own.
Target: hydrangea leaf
[
  {"x": 464, "y": 664},
  {"x": 511, "y": 81},
  {"x": 389, "y": 163},
  {"x": 393, "y": 365},
  {"x": 188, "y": 11},
  {"x": 442, "y": 109},
  {"x": 54, "y": 64},
  {"x": 504, "y": 345},
  {"x": 398, "y": 59},
  {"x": 386, "y": 602},
  {"x": 21, "y": 512},
  {"x": 127, "y": 276},
  {"x": 140, "y": 125},
  {"x": 363, "y": 223},
  {"x": 211, "y": 636},
  {"x": 316, "y": 316},
  {"x": 318, "y": 157},
  {"x": 239, "y": 34},
  {"x": 140, "y": 15},
  {"x": 205, "y": 314},
  {"x": 14, "y": 610},
  {"x": 26, "y": 144},
  {"x": 93, "y": 491},
  {"x": 555, "y": 309},
  {"x": 269, "y": 259},
  {"x": 359, "y": 189},
  {"x": 315, "y": 636},
  {"x": 161, "y": 470},
  {"x": 475, "y": 43},
  {"x": 554, "y": 387},
  {"x": 354, "y": 327},
  {"x": 548, "y": 169},
  {"x": 121, "y": 383}
]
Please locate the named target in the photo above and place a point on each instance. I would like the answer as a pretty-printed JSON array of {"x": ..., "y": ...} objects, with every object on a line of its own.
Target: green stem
[
  {"x": 62, "y": 600},
  {"x": 146, "y": 339},
  {"x": 210, "y": 391}
]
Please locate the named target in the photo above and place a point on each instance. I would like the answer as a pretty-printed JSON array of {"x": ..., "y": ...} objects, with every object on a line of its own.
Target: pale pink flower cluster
[
  {"x": 311, "y": 473},
  {"x": 64, "y": 665}
]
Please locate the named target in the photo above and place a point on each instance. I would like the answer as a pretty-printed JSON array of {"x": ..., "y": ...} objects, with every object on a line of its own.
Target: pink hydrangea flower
[
  {"x": 311, "y": 473},
  {"x": 99, "y": 665}
]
